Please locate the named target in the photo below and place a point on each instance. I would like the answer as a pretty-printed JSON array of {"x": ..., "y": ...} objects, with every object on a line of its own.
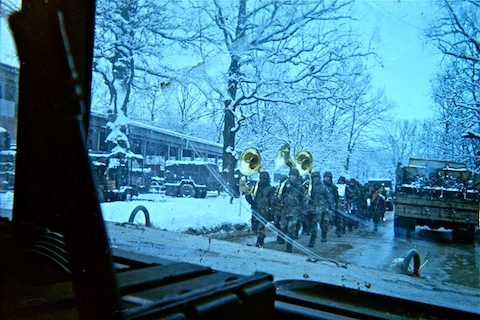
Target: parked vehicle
[
  {"x": 157, "y": 184},
  {"x": 436, "y": 194},
  {"x": 7, "y": 161},
  {"x": 191, "y": 178}
]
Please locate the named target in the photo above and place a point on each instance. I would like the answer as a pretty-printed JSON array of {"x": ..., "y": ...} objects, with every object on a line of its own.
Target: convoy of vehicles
[{"x": 436, "y": 194}]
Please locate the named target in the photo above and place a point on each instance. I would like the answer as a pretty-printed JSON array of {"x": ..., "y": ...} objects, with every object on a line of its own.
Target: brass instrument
[
  {"x": 282, "y": 158},
  {"x": 250, "y": 161},
  {"x": 303, "y": 160}
]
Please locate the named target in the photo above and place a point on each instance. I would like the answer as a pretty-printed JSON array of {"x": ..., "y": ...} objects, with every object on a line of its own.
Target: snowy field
[
  {"x": 182, "y": 214},
  {"x": 169, "y": 213}
]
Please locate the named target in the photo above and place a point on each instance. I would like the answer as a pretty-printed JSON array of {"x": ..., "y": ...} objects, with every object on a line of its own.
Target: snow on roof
[
  {"x": 176, "y": 134},
  {"x": 114, "y": 153},
  {"x": 168, "y": 132},
  {"x": 8, "y": 152}
]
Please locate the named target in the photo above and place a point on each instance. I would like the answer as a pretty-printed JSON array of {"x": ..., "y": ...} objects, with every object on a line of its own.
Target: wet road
[{"x": 441, "y": 259}]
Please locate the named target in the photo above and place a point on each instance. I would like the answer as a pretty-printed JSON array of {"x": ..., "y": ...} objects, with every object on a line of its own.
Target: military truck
[
  {"x": 436, "y": 194},
  {"x": 191, "y": 178}
]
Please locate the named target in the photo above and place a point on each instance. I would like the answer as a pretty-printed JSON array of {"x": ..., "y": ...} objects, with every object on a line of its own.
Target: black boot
[
  {"x": 312, "y": 241},
  {"x": 324, "y": 237},
  {"x": 289, "y": 247},
  {"x": 261, "y": 239}
]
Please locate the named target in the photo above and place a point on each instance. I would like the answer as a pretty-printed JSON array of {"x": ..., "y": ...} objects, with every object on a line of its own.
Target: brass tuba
[
  {"x": 303, "y": 160},
  {"x": 282, "y": 158},
  {"x": 250, "y": 161}
]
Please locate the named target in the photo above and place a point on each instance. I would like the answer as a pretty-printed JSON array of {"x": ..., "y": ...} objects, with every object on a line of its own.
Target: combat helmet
[
  {"x": 315, "y": 174},
  {"x": 264, "y": 175},
  {"x": 295, "y": 172}
]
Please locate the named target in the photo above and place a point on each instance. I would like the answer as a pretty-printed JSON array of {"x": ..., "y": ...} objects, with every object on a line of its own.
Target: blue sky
[{"x": 397, "y": 27}]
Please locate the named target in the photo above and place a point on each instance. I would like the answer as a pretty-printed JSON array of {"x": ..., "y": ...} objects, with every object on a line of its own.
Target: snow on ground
[
  {"x": 169, "y": 213},
  {"x": 181, "y": 214},
  {"x": 6, "y": 204}
]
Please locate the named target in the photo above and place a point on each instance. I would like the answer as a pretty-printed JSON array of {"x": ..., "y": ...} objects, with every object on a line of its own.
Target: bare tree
[
  {"x": 133, "y": 43},
  {"x": 282, "y": 53},
  {"x": 400, "y": 140},
  {"x": 364, "y": 114},
  {"x": 456, "y": 86}
]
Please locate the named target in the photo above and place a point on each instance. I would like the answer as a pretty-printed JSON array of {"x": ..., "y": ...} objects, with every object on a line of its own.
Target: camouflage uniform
[
  {"x": 292, "y": 198},
  {"x": 365, "y": 190},
  {"x": 333, "y": 202},
  {"x": 319, "y": 209},
  {"x": 278, "y": 210},
  {"x": 377, "y": 205},
  {"x": 355, "y": 202},
  {"x": 262, "y": 201}
]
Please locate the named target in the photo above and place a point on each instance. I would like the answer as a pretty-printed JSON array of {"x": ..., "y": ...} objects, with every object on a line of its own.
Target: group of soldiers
[{"x": 304, "y": 204}]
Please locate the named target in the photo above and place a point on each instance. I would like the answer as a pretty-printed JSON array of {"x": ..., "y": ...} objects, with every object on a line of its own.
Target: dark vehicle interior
[{"x": 55, "y": 258}]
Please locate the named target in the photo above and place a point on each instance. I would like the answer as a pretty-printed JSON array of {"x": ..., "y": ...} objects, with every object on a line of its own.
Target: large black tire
[
  {"x": 463, "y": 233},
  {"x": 173, "y": 191},
  {"x": 201, "y": 193},
  {"x": 402, "y": 227},
  {"x": 415, "y": 271},
  {"x": 145, "y": 213},
  {"x": 187, "y": 191}
]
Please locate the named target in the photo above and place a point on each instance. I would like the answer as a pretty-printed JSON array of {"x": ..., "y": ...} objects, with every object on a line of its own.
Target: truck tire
[
  {"x": 402, "y": 227},
  {"x": 187, "y": 191},
  {"x": 172, "y": 191},
  {"x": 145, "y": 213},
  {"x": 415, "y": 271},
  {"x": 463, "y": 233},
  {"x": 201, "y": 193}
]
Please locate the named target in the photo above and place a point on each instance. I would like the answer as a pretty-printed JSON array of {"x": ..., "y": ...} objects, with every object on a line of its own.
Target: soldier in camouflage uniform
[
  {"x": 319, "y": 209},
  {"x": 377, "y": 205},
  {"x": 262, "y": 200},
  {"x": 355, "y": 203},
  {"x": 293, "y": 199},
  {"x": 333, "y": 202},
  {"x": 278, "y": 210}
]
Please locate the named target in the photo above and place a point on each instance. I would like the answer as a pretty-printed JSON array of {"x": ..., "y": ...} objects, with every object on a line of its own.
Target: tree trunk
[{"x": 229, "y": 160}]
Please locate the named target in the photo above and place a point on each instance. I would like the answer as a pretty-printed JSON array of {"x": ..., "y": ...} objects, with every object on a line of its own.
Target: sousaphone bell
[
  {"x": 303, "y": 160},
  {"x": 250, "y": 161}
]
